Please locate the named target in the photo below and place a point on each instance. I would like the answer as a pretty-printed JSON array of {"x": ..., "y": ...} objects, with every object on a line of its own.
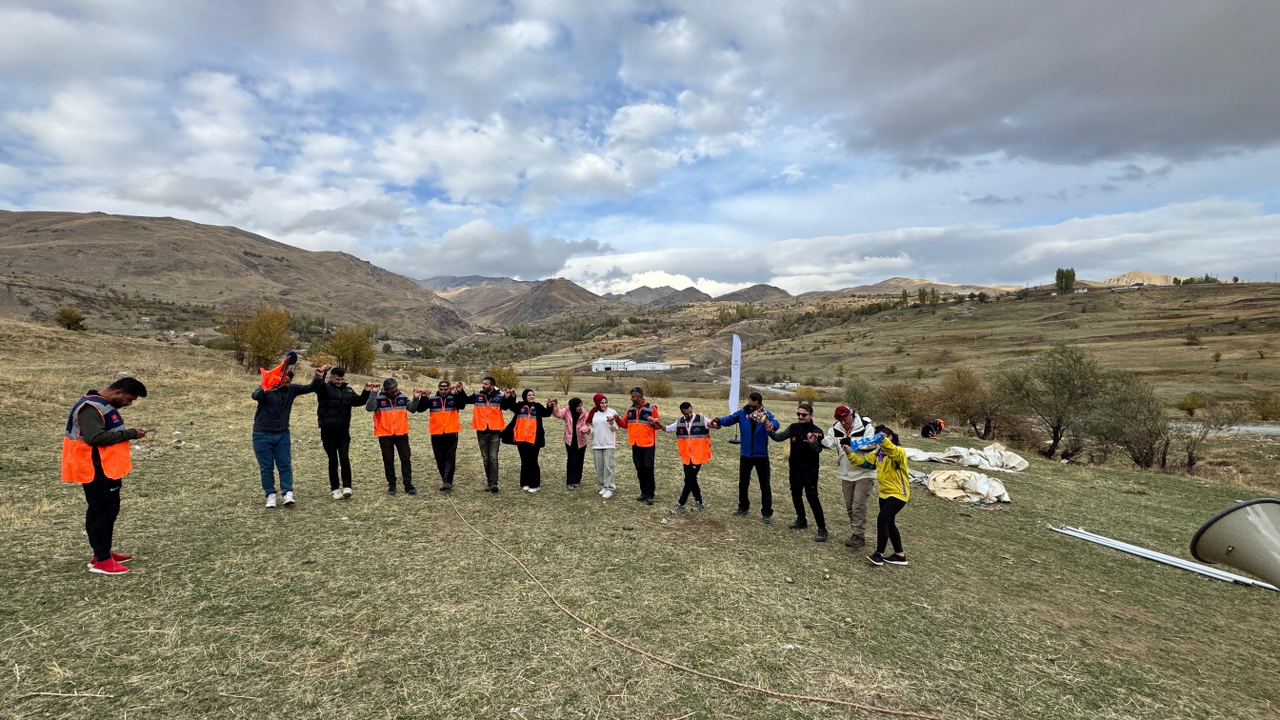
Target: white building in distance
[{"x": 626, "y": 365}]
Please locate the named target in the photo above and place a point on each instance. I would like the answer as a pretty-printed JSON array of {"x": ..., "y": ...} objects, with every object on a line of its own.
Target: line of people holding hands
[{"x": 96, "y": 448}]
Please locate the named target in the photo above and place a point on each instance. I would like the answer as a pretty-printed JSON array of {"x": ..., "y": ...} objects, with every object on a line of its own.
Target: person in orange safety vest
[
  {"x": 95, "y": 454},
  {"x": 486, "y": 420},
  {"x": 391, "y": 409},
  {"x": 526, "y": 433},
  {"x": 693, "y": 439},
  {"x": 444, "y": 426},
  {"x": 641, "y": 422}
]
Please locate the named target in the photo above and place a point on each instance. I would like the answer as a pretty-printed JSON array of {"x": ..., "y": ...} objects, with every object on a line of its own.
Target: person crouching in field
[
  {"x": 334, "y": 400},
  {"x": 856, "y": 482},
  {"x": 693, "y": 438},
  {"x": 603, "y": 421},
  {"x": 805, "y": 440},
  {"x": 95, "y": 454},
  {"x": 641, "y": 422},
  {"x": 271, "y": 442},
  {"x": 890, "y": 463},
  {"x": 525, "y": 431},
  {"x": 391, "y": 409},
  {"x": 576, "y": 430}
]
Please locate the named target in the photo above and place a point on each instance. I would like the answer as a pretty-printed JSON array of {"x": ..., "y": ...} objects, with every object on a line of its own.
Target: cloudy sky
[{"x": 812, "y": 145}]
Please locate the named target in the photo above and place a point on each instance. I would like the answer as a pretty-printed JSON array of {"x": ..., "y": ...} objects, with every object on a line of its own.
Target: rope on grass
[{"x": 676, "y": 665}]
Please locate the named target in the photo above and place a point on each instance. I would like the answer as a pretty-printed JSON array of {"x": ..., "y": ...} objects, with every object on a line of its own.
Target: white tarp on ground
[
  {"x": 992, "y": 457},
  {"x": 966, "y": 486}
]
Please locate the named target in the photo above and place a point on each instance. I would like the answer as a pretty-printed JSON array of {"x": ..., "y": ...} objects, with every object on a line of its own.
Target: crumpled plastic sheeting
[
  {"x": 967, "y": 486},
  {"x": 992, "y": 457}
]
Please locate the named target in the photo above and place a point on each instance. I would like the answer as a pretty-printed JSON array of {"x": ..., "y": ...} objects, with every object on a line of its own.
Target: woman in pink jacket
[{"x": 576, "y": 431}]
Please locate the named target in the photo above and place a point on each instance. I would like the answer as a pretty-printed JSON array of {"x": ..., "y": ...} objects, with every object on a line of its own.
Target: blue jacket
[{"x": 755, "y": 436}]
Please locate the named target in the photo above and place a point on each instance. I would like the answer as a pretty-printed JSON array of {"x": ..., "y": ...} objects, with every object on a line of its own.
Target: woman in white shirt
[{"x": 603, "y": 421}]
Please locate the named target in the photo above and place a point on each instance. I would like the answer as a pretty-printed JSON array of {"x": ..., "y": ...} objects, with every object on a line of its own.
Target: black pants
[
  {"x": 337, "y": 445},
  {"x": 103, "y": 498},
  {"x": 806, "y": 486},
  {"x": 390, "y": 444},
  {"x": 642, "y": 458},
  {"x": 530, "y": 471},
  {"x": 886, "y": 525},
  {"x": 490, "y": 442},
  {"x": 445, "y": 448},
  {"x": 573, "y": 464},
  {"x": 761, "y": 465},
  {"x": 691, "y": 484}
]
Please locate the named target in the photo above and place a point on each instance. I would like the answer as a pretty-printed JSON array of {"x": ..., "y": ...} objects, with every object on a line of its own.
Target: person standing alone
[
  {"x": 391, "y": 409},
  {"x": 641, "y": 422},
  {"x": 486, "y": 420},
  {"x": 271, "y": 442},
  {"x": 95, "y": 454},
  {"x": 334, "y": 400}
]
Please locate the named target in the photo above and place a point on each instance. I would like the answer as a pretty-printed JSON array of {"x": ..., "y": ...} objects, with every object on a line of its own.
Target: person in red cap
[
  {"x": 857, "y": 483},
  {"x": 603, "y": 421}
]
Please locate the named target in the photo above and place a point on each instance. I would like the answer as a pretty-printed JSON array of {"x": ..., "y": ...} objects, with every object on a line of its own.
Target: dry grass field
[{"x": 391, "y": 607}]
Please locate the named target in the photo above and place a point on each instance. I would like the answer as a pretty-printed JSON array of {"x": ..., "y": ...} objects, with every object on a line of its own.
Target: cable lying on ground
[{"x": 678, "y": 666}]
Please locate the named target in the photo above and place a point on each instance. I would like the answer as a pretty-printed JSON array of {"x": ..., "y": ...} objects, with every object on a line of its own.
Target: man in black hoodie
[
  {"x": 271, "y": 442},
  {"x": 334, "y": 400},
  {"x": 806, "y": 443}
]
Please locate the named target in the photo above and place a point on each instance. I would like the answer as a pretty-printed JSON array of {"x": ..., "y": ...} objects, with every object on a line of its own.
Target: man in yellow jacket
[
  {"x": 890, "y": 463},
  {"x": 95, "y": 454}
]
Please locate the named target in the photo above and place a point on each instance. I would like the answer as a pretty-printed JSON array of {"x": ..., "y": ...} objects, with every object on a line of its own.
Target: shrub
[
  {"x": 432, "y": 371},
  {"x": 962, "y": 396},
  {"x": 1060, "y": 388},
  {"x": 266, "y": 336},
  {"x": 1265, "y": 405},
  {"x": 1217, "y": 356},
  {"x": 807, "y": 394},
  {"x": 901, "y": 401},
  {"x": 1129, "y": 415},
  {"x": 386, "y": 347},
  {"x": 1192, "y": 339},
  {"x": 858, "y": 395},
  {"x": 70, "y": 318},
  {"x": 221, "y": 342},
  {"x": 505, "y": 376},
  {"x": 891, "y": 370},
  {"x": 563, "y": 380},
  {"x": 656, "y": 387},
  {"x": 351, "y": 348},
  {"x": 1190, "y": 403}
]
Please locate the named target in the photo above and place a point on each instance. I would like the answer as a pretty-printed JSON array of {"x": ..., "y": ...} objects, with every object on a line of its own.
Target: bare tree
[{"x": 563, "y": 380}]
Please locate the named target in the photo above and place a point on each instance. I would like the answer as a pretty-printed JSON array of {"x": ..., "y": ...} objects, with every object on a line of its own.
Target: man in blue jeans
[
  {"x": 271, "y": 432},
  {"x": 754, "y": 424}
]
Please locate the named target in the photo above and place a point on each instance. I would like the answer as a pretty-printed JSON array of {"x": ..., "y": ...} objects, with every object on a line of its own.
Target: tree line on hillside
[{"x": 1063, "y": 404}]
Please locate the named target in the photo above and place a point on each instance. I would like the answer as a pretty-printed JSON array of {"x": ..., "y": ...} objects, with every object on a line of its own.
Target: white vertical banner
[{"x": 735, "y": 374}]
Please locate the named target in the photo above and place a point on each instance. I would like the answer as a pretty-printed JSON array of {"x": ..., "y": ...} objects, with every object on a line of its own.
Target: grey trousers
[
  {"x": 490, "y": 442},
  {"x": 856, "y": 495},
  {"x": 603, "y": 458}
]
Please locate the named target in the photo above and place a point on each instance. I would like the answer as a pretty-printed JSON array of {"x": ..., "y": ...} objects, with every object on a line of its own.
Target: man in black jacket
[
  {"x": 806, "y": 443},
  {"x": 334, "y": 400},
  {"x": 271, "y": 442}
]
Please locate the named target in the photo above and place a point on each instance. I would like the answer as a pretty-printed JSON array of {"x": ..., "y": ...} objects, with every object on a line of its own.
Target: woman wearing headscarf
[
  {"x": 576, "y": 430},
  {"x": 525, "y": 432},
  {"x": 603, "y": 421}
]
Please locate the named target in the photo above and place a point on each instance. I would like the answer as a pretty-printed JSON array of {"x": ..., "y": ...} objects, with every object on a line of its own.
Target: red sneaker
[
  {"x": 121, "y": 557},
  {"x": 107, "y": 567}
]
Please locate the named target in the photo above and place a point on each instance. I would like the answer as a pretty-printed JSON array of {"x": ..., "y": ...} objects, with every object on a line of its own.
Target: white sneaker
[
  {"x": 288, "y": 498},
  {"x": 533, "y": 490},
  {"x": 606, "y": 494},
  {"x": 600, "y": 491},
  {"x": 271, "y": 500},
  {"x": 337, "y": 494},
  {"x": 346, "y": 492}
]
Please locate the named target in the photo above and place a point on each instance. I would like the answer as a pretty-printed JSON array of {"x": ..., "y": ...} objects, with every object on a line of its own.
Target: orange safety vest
[
  {"x": 693, "y": 437},
  {"x": 486, "y": 412},
  {"x": 444, "y": 414},
  {"x": 391, "y": 417},
  {"x": 642, "y": 433},
  {"x": 77, "y": 455},
  {"x": 526, "y": 429}
]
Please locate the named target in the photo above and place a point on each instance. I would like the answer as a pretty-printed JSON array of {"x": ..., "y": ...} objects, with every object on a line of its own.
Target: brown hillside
[
  {"x": 895, "y": 286},
  {"x": 93, "y": 260},
  {"x": 549, "y": 299},
  {"x": 471, "y": 294},
  {"x": 757, "y": 293},
  {"x": 686, "y": 296}
]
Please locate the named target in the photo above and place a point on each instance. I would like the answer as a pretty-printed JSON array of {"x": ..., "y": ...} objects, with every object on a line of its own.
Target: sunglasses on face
[{"x": 802, "y": 414}]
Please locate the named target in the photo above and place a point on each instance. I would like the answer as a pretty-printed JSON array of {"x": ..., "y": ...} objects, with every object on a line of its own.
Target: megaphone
[{"x": 1246, "y": 537}]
